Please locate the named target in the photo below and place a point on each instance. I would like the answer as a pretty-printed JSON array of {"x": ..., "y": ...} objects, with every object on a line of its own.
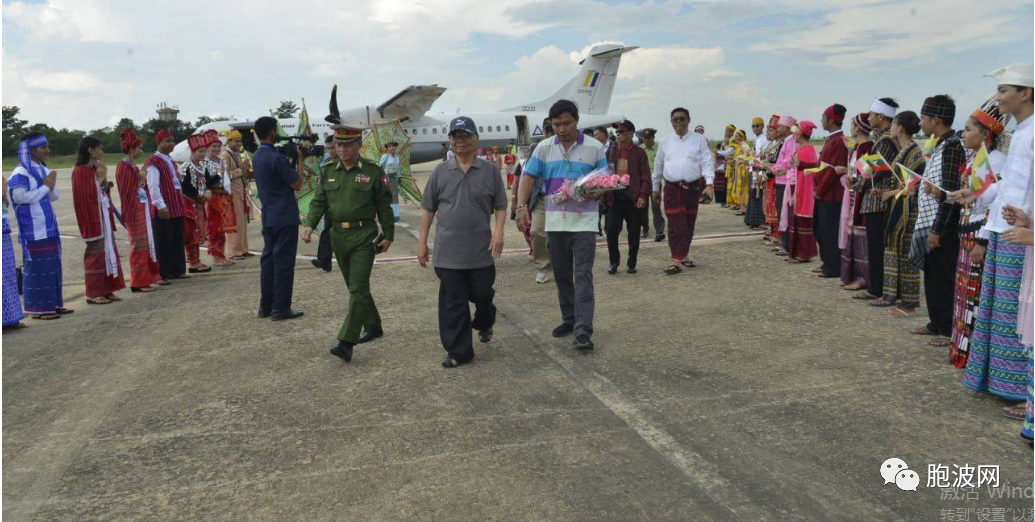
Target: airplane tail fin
[{"x": 592, "y": 87}]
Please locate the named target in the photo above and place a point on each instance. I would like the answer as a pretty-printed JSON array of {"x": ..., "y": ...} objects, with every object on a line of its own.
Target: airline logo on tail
[{"x": 591, "y": 79}]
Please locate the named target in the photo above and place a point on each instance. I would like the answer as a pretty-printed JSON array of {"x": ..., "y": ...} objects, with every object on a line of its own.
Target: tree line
[{"x": 65, "y": 141}]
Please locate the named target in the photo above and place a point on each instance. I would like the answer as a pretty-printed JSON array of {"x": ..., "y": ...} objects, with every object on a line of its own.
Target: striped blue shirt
[{"x": 555, "y": 165}]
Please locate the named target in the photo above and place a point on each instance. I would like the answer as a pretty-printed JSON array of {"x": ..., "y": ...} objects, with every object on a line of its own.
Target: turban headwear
[
  {"x": 835, "y": 113},
  {"x": 862, "y": 120},
  {"x": 939, "y": 107},
  {"x": 162, "y": 135},
  {"x": 196, "y": 141},
  {"x": 787, "y": 121},
  {"x": 774, "y": 121},
  {"x": 128, "y": 140},
  {"x": 883, "y": 109},
  {"x": 234, "y": 134},
  {"x": 211, "y": 137}
]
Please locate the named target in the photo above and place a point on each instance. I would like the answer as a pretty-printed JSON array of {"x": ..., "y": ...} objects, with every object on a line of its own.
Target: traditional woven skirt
[
  {"x": 98, "y": 282},
  {"x": 143, "y": 271},
  {"x": 772, "y": 217},
  {"x": 901, "y": 277},
  {"x": 997, "y": 362},
  {"x": 755, "y": 216},
  {"x": 1029, "y": 422},
  {"x": 41, "y": 276},
  {"x": 12, "y": 302},
  {"x": 965, "y": 301},
  {"x": 855, "y": 266},
  {"x": 802, "y": 241}
]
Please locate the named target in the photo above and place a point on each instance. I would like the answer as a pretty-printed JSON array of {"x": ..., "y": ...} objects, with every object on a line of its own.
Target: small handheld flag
[
  {"x": 981, "y": 175},
  {"x": 877, "y": 163}
]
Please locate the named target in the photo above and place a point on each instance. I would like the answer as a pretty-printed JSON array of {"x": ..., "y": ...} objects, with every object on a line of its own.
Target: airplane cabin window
[
  {"x": 481, "y": 129},
  {"x": 498, "y": 129},
  {"x": 506, "y": 128},
  {"x": 434, "y": 130},
  {"x": 425, "y": 131}
]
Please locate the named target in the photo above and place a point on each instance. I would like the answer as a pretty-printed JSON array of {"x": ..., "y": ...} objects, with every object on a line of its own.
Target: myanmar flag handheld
[
  {"x": 981, "y": 175},
  {"x": 877, "y": 163}
]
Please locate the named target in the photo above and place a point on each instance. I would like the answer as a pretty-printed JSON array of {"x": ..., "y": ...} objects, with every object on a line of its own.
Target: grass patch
[{"x": 66, "y": 162}]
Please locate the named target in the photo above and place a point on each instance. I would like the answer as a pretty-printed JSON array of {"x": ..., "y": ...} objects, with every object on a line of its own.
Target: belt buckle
[{"x": 346, "y": 225}]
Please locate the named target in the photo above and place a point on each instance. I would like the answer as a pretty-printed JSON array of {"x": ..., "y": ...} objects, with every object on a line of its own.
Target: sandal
[
  {"x": 163, "y": 282},
  {"x": 898, "y": 311},
  {"x": 1014, "y": 412},
  {"x": 63, "y": 311},
  {"x": 673, "y": 269},
  {"x": 941, "y": 341},
  {"x": 46, "y": 317},
  {"x": 450, "y": 362},
  {"x": 144, "y": 289},
  {"x": 688, "y": 263},
  {"x": 16, "y": 326},
  {"x": 884, "y": 303},
  {"x": 853, "y": 287},
  {"x": 922, "y": 330},
  {"x": 199, "y": 269},
  {"x": 113, "y": 297},
  {"x": 98, "y": 301},
  {"x": 865, "y": 297}
]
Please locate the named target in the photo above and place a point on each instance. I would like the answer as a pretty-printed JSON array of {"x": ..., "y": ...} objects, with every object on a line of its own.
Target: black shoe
[
  {"x": 646, "y": 233},
  {"x": 263, "y": 315},
  {"x": 582, "y": 342},
  {"x": 631, "y": 270},
  {"x": 659, "y": 238},
  {"x": 366, "y": 337},
  {"x": 290, "y": 314},
  {"x": 485, "y": 335},
  {"x": 563, "y": 330},
  {"x": 321, "y": 266},
  {"x": 343, "y": 350},
  {"x": 612, "y": 270}
]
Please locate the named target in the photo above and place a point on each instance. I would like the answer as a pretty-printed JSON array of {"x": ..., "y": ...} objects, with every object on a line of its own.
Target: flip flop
[
  {"x": 884, "y": 304},
  {"x": 16, "y": 326},
  {"x": 113, "y": 297},
  {"x": 46, "y": 317},
  {"x": 63, "y": 311},
  {"x": 1011, "y": 412},
  {"x": 921, "y": 330},
  {"x": 865, "y": 297},
  {"x": 99, "y": 301},
  {"x": 688, "y": 263},
  {"x": 673, "y": 270},
  {"x": 898, "y": 312},
  {"x": 941, "y": 341}
]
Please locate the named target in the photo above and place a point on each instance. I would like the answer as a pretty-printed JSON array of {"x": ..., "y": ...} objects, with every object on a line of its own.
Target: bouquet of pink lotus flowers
[{"x": 591, "y": 186}]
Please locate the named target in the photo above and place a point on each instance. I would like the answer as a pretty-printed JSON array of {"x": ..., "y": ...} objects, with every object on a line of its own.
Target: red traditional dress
[
  {"x": 219, "y": 209},
  {"x": 136, "y": 217},
  {"x": 101, "y": 268}
]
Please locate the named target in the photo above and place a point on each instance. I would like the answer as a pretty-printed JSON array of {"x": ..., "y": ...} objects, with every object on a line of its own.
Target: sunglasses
[
  {"x": 756, "y": 126},
  {"x": 622, "y": 132}
]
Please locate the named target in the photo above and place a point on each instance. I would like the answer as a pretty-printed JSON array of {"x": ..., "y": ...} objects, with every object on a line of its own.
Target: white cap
[{"x": 1022, "y": 74}]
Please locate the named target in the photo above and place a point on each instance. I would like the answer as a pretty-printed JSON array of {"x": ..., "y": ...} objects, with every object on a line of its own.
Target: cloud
[
  {"x": 916, "y": 31},
  {"x": 67, "y": 81}
]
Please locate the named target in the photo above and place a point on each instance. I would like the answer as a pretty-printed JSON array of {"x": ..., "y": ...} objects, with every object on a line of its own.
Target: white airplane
[{"x": 590, "y": 89}]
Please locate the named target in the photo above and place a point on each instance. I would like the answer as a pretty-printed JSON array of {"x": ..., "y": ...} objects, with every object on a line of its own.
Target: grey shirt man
[{"x": 465, "y": 204}]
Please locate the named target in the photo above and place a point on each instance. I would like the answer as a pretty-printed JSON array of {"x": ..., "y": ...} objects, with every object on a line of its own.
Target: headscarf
[
  {"x": 862, "y": 120},
  {"x": 805, "y": 128},
  {"x": 883, "y": 109},
  {"x": 32, "y": 141},
  {"x": 940, "y": 107},
  {"x": 128, "y": 140}
]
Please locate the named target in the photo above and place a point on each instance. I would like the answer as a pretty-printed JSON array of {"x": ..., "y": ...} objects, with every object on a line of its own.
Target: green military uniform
[{"x": 353, "y": 198}]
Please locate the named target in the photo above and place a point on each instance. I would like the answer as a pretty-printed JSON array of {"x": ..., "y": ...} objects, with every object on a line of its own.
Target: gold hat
[{"x": 347, "y": 134}]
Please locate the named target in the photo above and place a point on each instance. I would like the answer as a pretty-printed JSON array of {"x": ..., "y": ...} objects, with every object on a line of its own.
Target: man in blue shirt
[{"x": 277, "y": 183}]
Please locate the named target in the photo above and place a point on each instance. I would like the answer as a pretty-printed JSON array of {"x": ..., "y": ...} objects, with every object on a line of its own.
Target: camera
[{"x": 304, "y": 144}]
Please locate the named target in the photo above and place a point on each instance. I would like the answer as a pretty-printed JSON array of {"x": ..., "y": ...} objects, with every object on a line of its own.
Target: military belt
[{"x": 354, "y": 224}]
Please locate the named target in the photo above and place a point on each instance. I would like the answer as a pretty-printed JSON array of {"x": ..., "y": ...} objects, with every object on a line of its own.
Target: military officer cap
[{"x": 347, "y": 134}]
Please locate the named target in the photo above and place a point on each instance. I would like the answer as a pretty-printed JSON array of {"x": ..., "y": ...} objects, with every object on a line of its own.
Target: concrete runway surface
[{"x": 744, "y": 389}]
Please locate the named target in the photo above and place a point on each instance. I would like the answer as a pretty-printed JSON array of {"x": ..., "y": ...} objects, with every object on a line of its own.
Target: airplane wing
[{"x": 411, "y": 103}]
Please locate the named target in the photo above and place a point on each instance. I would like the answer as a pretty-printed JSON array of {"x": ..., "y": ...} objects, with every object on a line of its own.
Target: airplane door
[{"x": 522, "y": 129}]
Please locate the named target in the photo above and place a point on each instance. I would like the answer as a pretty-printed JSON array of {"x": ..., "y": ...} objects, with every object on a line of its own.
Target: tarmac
[{"x": 744, "y": 389}]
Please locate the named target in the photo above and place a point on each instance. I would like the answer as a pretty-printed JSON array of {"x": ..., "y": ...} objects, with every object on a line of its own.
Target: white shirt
[
  {"x": 1015, "y": 187},
  {"x": 683, "y": 158},
  {"x": 154, "y": 180},
  {"x": 31, "y": 197},
  {"x": 761, "y": 142}
]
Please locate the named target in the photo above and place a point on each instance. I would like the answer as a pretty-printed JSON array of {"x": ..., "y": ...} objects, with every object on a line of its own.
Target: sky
[{"x": 84, "y": 64}]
